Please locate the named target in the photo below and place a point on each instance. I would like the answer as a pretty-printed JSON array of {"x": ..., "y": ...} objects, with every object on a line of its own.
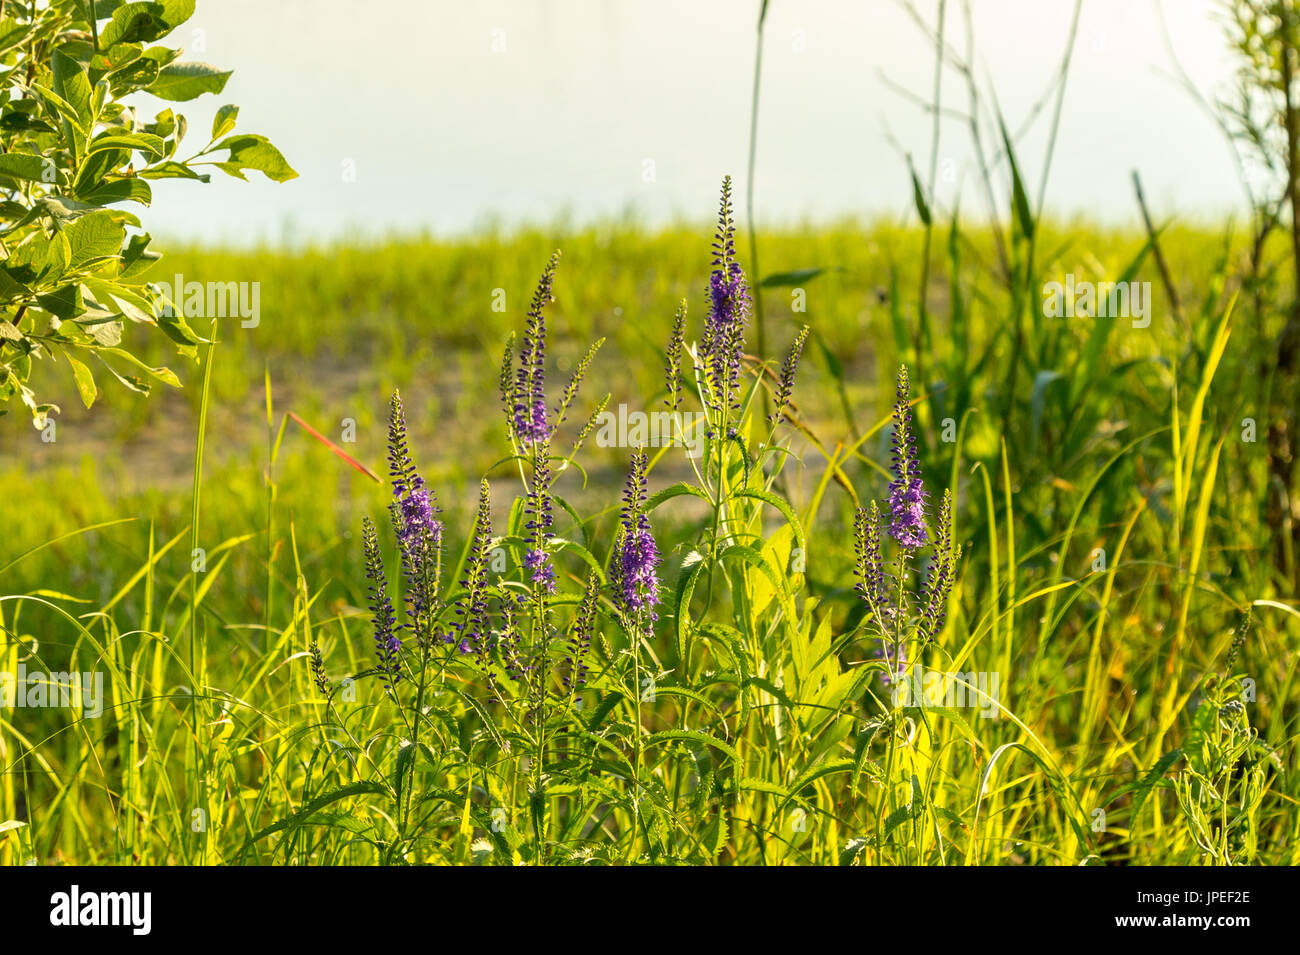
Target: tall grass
[{"x": 768, "y": 740}]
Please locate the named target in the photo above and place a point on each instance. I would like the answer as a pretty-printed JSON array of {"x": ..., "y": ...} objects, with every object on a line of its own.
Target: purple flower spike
[
  {"x": 540, "y": 520},
  {"x": 941, "y": 574},
  {"x": 472, "y": 615},
  {"x": 415, "y": 518},
  {"x": 529, "y": 399},
  {"x": 870, "y": 567},
  {"x": 785, "y": 383},
  {"x": 383, "y": 619},
  {"x": 584, "y": 625},
  {"x": 635, "y": 562},
  {"x": 539, "y": 565},
  {"x": 318, "y": 669},
  {"x": 906, "y": 492},
  {"x": 729, "y": 308}
]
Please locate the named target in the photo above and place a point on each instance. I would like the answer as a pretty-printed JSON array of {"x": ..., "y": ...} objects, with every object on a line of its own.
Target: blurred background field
[{"x": 343, "y": 325}]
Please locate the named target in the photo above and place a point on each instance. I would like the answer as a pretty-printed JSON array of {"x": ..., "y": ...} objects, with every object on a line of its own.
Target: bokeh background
[{"x": 406, "y": 115}]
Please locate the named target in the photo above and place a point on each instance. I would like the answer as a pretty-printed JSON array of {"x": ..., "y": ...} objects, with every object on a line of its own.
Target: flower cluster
[
  {"x": 906, "y": 492},
  {"x": 529, "y": 397},
  {"x": 540, "y": 519},
  {"x": 880, "y": 583},
  {"x": 673, "y": 370},
  {"x": 729, "y": 309},
  {"x": 414, "y": 514},
  {"x": 785, "y": 383},
  {"x": 877, "y": 588},
  {"x": 634, "y": 564},
  {"x": 318, "y": 675},
  {"x": 580, "y": 634},
  {"x": 523, "y": 392},
  {"x": 471, "y": 627},
  {"x": 940, "y": 574},
  {"x": 383, "y": 619}
]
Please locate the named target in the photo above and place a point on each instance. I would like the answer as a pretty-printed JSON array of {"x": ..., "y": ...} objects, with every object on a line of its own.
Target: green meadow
[{"x": 1126, "y": 570}]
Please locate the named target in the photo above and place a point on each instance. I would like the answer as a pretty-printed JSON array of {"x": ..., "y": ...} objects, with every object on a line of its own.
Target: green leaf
[
  {"x": 1020, "y": 199},
  {"x": 248, "y": 151},
  {"x": 71, "y": 83},
  {"x": 12, "y": 33},
  {"x": 686, "y": 579},
  {"x": 918, "y": 196},
  {"x": 137, "y": 256},
  {"x": 185, "y": 81},
  {"x": 11, "y": 290},
  {"x": 315, "y": 805},
  {"x": 108, "y": 334},
  {"x": 812, "y": 775},
  {"x": 27, "y": 166},
  {"x": 224, "y": 122},
  {"x": 132, "y": 189},
  {"x": 767, "y": 497},
  {"x": 62, "y": 209},
  {"x": 795, "y": 277},
  {"x": 176, "y": 12},
  {"x": 171, "y": 170},
  {"x": 136, "y": 75},
  {"x": 141, "y": 142},
  {"x": 1041, "y": 381},
  {"x": 692, "y": 736},
  {"x": 135, "y": 23},
  {"x": 165, "y": 375},
  {"x": 65, "y": 302},
  {"x": 93, "y": 235},
  {"x": 675, "y": 490},
  {"x": 60, "y": 105},
  {"x": 85, "y": 381}
]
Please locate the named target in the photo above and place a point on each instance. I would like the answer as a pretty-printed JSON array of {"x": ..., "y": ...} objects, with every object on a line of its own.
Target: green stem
[
  {"x": 197, "y": 647},
  {"x": 761, "y": 345}
]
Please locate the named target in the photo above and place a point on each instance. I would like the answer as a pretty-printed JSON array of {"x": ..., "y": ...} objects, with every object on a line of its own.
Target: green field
[{"x": 1114, "y": 512}]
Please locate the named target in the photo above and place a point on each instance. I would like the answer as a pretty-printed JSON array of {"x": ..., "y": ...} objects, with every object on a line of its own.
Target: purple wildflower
[
  {"x": 575, "y": 381},
  {"x": 635, "y": 561},
  {"x": 584, "y": 625},
  {"x": 383, "y": 619},
  {"x": 511, "y": 639},
  {"x": 529, "y": 397},
  {"x": 505, "y": 381},
  {"x": 785, "y": 384},
  {"x": 941, "y": 573},
  {"x": 540, "y": 518},
  {"x": 472, "y": 625},
  {"x": 907, "y": 496},
  {"x": 590, "y": 426},
  {"x": 874, "y": 584},
  {"x": 673, "y": 370},
  {"x": 729, "y": 308},
  {"x": 318, "y": 668},
  {"x": 870, "y": 564},
  {"x": 414, "y": 516}
]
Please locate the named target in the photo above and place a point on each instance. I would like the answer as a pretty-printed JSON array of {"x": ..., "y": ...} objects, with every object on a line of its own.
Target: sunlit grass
[{"x": 1113, "y": 535}]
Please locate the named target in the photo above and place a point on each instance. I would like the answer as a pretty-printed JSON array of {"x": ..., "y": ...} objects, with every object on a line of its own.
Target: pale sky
[{"x": 447, "y": 115}]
